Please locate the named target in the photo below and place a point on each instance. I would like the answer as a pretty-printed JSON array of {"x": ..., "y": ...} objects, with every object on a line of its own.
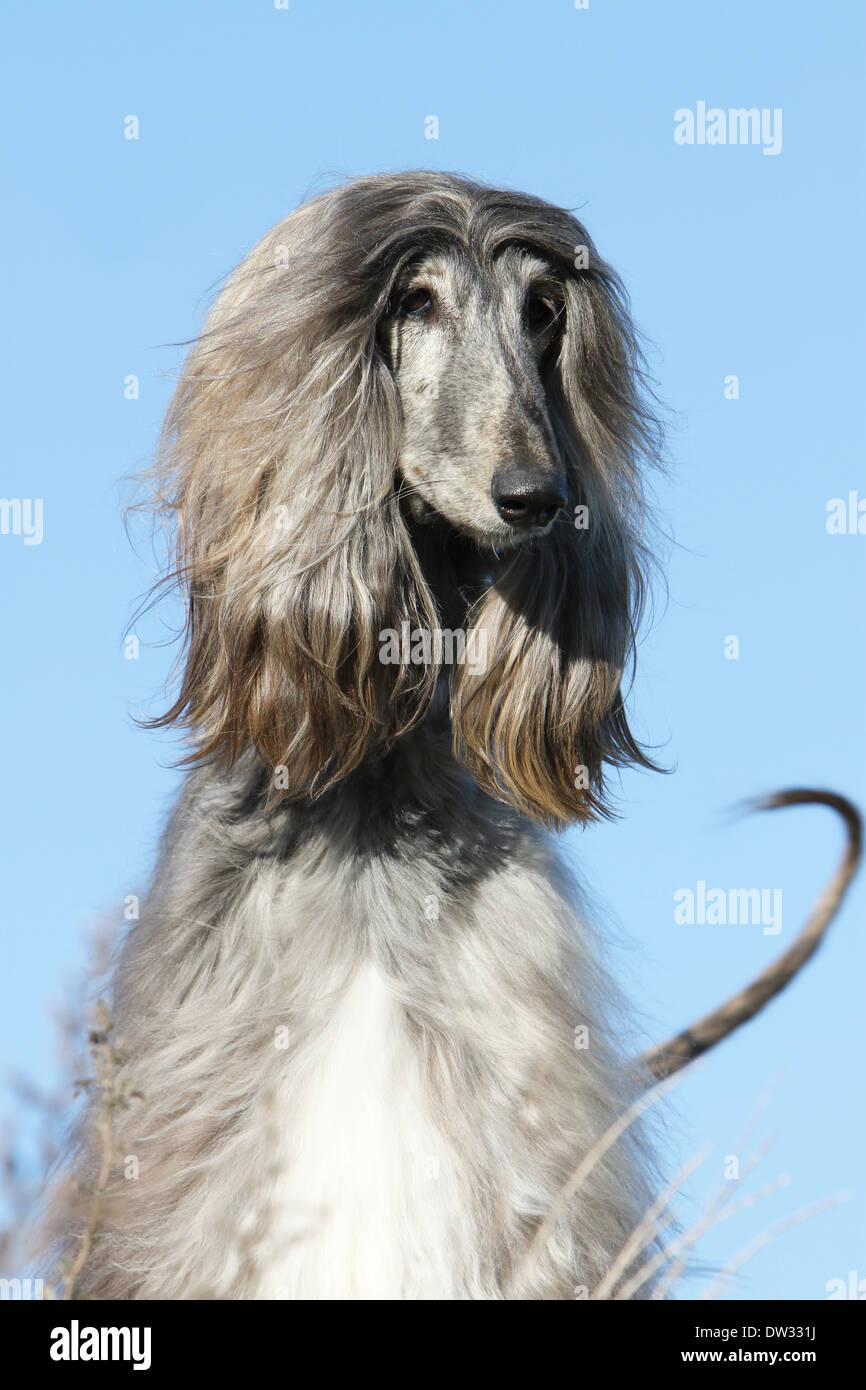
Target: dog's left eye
[
  {"x": 415, "y": 303},
  {"x": 541, "y": 313}
]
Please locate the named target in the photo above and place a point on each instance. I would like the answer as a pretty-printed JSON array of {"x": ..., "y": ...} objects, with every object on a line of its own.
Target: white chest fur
[{"x": 366, "y": 1204}]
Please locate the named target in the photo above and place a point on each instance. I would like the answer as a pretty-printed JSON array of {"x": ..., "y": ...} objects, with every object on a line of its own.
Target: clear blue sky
[{"x": 738, "y": 263}]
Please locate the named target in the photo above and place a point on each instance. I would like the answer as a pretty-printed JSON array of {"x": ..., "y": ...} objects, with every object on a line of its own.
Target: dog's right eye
[
  {"x": 415, "y": 303},
  {"x": 541, "y": 313}
]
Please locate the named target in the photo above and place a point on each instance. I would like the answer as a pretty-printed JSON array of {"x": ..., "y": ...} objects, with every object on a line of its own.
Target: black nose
[{"x": 526, "y": 498}]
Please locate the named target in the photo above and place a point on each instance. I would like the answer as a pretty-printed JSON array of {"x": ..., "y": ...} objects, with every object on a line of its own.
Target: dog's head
[{"x": 416, "y": 401}]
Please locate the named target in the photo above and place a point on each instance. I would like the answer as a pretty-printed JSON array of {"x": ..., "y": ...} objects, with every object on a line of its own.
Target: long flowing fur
[
  {"x": 364, "y": 1011},
  {"x": 278, "y": 463}
]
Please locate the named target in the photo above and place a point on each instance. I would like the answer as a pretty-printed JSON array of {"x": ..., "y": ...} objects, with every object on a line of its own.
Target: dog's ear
[
  {"x": 278, "y": 467},
  {"x": 540, "y": 720}
]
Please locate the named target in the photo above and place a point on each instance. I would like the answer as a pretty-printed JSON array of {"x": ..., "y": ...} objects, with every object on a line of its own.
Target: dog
[{"x": 368, "y": 1035}]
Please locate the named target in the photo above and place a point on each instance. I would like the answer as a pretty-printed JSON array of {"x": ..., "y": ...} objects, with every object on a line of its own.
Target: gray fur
[{"x": 404, "y": 834}]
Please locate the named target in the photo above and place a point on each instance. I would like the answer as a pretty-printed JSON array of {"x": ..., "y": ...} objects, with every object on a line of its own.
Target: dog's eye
[
  {"x": 415, "y": 303},
  {"x": 541, "y": 313}
]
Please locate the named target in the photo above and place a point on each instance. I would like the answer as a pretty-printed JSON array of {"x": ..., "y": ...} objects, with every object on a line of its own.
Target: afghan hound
[{"x": 368, "y": 1035}]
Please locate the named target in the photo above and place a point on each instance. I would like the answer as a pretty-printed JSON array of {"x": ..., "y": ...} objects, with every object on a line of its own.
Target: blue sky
[{"x": 738, "y": 262}]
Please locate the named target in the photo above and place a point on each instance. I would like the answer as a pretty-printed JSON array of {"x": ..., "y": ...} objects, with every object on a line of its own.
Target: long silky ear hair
[
  {"x": 540, "y": 720},
  {"x": 277, "y": 468}
]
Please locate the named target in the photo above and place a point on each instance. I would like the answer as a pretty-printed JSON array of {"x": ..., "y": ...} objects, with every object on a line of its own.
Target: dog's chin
[{"x": 500, "y": 540}]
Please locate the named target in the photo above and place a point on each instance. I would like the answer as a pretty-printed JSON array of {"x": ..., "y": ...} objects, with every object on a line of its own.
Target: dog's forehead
[{"x": 462, "y": 274}]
